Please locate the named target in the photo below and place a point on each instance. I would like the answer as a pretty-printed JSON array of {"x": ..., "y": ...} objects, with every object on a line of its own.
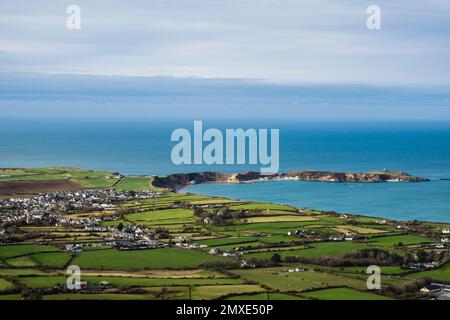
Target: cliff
[{"x": 178, "y": 181}]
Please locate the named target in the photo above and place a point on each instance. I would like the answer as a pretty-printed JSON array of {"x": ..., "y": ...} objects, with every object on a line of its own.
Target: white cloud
[{"x": 321, "y": 41}]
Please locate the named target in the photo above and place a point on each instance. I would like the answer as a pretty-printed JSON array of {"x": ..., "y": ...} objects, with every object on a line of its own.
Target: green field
[
  {"x": 52, "y": 260},
  {"x": 214, "y": 292},
  {"x": 87, "y": 178},
  {"x": 342, "y": 294},
  {"x": 171, "y": 258},
  {"x": 21, "y": 272},
  {"x": 228, "y": 241},
  {"x": 276, "y": 279},
  {"x": 5, "y": 285},
  {"x": 263, "y": 206},
  {"x": 98, "y": 296},
  {"x": 19, "y": 262},
  {"x": 10, "y": 297},
  {"x": 440, "y": 274},
  {"x": 265, "y": 296},
  {"x": 7, "y": 251},
  {"x": 51, "y": 281},
  {"x": 135, "y": 183},
  {"x": 315, "y": 250},
  {"x": 169, "y": 214},
  {"x": 397, "y": 240}
]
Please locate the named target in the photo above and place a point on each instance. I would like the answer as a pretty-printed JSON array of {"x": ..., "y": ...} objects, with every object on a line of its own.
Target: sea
[{"x": 143, "y": 147}]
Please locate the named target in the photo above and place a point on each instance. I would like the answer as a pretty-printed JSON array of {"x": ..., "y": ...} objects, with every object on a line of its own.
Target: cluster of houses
[
  {"x": 296, "y": 269},
  {"x": 423, "y": 265},
  {"x": 52, "y": 207},
  {"x": 348, "y": 236},
  {"x": 124, "y": 245},
  {"x": 224, "y": 253},
  {"x": 74, "y": 248},
  {"x": 190, "y": 245},
  {"x": 311, "y": 235},
  {"x": 438, "y": 291}
]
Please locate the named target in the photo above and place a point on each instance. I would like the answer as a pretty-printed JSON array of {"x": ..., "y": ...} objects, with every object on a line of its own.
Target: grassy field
[
  {"x": 21, "y": 272},
  {"x": 342, "y": 294},
  {"x": 19, "y": 262},
  {"x": 51, "y": 281},
  {"x": 169, "y": 214},
  {"x": 281, "y": 218},
  {"x": 265, "y": 296},
  {"x": 52, "y": 260},
  {"x": 228, "y": 241},
  {"x": 7, "y": 251},
  {"x": 214, "y": 292},
  {"x": 156, "y": 274},
  {"x": 135, "y": 183},
  {"x": 400, "y": 240},
  {"x": 277, "y": 279},
  {"x": 172, "y": 258},
  {"x": 263, "y": 206},
  {"x": 315, "y": 250},
  {"x": 388, "y": 270},
  {"x": 440, "y": 274},
  {"x": 86, "y": 178},
  {"x": 10, "y": 297},
  {"x": 5, "y": 285},
  {"x": 98, "y": 296}
]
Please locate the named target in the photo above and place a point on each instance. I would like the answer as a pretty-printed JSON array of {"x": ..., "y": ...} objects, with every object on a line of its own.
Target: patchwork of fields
[{"x": 211, "y": 248}]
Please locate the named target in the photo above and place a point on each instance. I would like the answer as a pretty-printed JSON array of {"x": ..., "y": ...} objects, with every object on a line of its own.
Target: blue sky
[{"x": 308, "y": 58}]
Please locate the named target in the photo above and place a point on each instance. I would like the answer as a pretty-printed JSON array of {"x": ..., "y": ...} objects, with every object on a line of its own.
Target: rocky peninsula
[{"x": 180, "y": 180}]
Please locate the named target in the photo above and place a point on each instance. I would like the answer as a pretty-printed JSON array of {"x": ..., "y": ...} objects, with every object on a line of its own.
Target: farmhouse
[
  {"x": 214, "y": 251},
  {"x": 431, "y": 288},
  {"x": 74, "y": 248},
  {"x": 229, "y": 254},
  {"x": 422, "y": 265},
  {"x": 246, "y": 265},
  {"x": 435, "y": 288}
]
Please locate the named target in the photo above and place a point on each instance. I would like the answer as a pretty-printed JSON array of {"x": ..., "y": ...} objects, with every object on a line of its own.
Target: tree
[
  {"x": 421, "y": 255},
  {"x": 120, "y": 226},
  {"x": 276, "y": 258},
  {"x": 198, "y": 212}
]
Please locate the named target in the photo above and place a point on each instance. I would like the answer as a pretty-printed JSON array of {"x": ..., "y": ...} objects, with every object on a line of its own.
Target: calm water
[
  {"x": 402, "y": 201},
  {"x": 143, "y": 147}
]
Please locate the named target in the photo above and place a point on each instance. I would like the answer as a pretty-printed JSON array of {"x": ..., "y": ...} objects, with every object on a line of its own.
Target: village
[
  {"x": 62, "y": 209},
  {"x": 154, "y": 226}
]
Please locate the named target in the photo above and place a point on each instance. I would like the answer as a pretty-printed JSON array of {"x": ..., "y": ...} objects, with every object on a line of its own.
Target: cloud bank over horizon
[
  {"x": 146, "y": 98},
  {"x": 282, "y": 41}
]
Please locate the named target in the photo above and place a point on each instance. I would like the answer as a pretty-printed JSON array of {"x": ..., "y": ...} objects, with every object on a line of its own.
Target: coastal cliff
[{"x": 178, "y": 181}]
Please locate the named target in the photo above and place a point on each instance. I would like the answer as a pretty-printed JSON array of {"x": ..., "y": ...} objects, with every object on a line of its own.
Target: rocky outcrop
[
  {"x": 379, "y": 176},
  {"x": 178, "y": 181}
]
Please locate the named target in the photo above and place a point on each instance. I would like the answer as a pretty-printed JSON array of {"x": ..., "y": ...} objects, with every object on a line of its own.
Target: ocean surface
[{"x": 143, "y": 147}]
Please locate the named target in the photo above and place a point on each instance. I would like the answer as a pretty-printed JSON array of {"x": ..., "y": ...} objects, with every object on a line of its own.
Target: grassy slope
[{"x": 172, "y": 258}]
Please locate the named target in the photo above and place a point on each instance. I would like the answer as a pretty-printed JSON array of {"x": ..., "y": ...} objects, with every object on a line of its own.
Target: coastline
[
  {"x": 330, "y": 197},
  {"x": 177, "y": 180}
]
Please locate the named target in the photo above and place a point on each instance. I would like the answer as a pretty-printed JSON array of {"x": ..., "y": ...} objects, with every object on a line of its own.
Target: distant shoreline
[{"x": 179, "y": 181}]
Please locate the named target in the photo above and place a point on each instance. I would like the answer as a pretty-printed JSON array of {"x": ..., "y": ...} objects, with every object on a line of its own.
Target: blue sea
[{"x": 143, "y": 147}]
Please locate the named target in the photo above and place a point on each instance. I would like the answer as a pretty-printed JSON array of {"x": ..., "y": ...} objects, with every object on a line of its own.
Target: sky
[{"x": 309, "y": 58}]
